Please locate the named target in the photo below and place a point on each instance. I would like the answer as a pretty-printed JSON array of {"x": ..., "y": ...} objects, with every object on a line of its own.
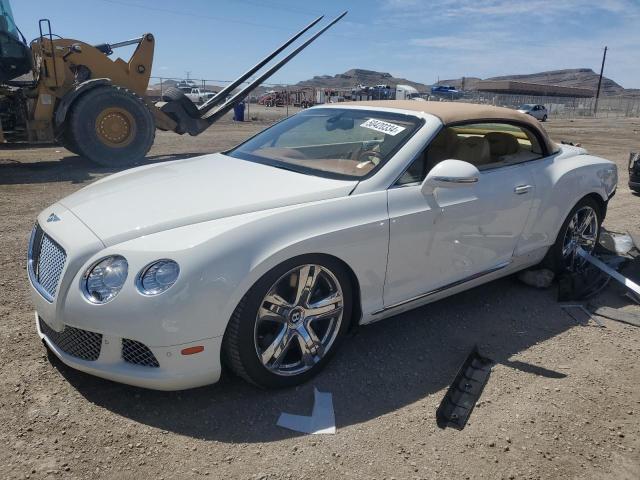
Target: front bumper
[
  {"x": 174, "y": 371},
  {"x": 133, "y": 339}
]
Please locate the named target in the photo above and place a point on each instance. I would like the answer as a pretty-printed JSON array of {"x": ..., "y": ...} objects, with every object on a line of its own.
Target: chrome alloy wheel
[
  {"x": 298, "y": 320},
  {"x": 582, "y": 231}
]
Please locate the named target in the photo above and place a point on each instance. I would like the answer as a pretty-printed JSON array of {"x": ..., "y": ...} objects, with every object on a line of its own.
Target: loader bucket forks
[{"x": 194, "y": 120}]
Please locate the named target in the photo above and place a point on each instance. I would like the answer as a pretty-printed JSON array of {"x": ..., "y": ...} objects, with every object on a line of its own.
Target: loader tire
[
  {"x": 111, "y": 126},
  {"x": 173, "y": 94},
  {"x": 68, "y": 141}
]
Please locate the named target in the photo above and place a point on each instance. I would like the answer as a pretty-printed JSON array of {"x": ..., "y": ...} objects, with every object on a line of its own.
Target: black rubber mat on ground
[{"x": 464, "y": 392}]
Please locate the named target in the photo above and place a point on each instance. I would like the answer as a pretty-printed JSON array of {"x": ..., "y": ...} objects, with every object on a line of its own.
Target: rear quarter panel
[{"x": 561, "y": 181}]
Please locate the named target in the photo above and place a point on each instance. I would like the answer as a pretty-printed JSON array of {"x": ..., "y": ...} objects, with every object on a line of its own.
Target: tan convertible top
[{"x": 455, "y": 112}]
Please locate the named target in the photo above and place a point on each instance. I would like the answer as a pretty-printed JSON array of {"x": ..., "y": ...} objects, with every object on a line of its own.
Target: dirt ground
[{"x": 563, "y": 400}]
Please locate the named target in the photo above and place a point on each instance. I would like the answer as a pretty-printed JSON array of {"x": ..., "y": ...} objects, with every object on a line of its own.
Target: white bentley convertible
[{"x": 261, "y": 258}]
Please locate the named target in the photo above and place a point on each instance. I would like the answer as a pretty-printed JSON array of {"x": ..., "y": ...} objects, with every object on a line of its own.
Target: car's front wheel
[
  {"x": 290, "y": 323},
  {"x": 544, "y": 118}
]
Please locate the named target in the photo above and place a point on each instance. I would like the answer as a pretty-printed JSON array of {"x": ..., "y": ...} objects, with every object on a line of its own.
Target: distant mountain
[
  {"x": 572, "y": 77},
  {"x": 576, "y": 77},
  {"x": 359, "y": 76}
]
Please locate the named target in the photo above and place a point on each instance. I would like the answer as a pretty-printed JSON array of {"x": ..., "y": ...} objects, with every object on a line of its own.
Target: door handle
[{"x": 522, "y": 189}]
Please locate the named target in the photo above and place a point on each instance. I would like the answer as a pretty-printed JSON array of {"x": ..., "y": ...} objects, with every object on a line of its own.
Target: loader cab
[{"x": 15, "y": 54}]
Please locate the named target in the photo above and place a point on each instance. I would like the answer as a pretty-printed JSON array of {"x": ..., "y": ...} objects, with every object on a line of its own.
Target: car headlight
[
  {"x": 157, "y": 277},
  {"x": 105, "y": 278}
]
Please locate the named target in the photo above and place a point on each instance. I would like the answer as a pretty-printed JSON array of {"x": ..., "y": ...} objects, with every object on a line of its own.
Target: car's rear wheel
[
  {"x": 290, "y": 323},
  {"x": 580, "y": 229},
  {"x": 544, "y": 119}
]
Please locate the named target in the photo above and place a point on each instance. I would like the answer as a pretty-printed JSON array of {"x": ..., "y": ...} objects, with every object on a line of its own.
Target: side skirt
[{"x": 475, "y": 276}]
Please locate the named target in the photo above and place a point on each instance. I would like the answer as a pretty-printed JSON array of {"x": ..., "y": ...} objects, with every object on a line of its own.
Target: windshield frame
[{"x": 388, "y": 116}]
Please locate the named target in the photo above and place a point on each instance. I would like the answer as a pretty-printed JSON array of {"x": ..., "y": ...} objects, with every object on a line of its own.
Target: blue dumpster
[{"x": 238, "y": 112}]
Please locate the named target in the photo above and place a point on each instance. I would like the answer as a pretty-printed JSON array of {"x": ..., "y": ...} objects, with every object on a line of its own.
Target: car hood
[{"x": 158, "y": 197}]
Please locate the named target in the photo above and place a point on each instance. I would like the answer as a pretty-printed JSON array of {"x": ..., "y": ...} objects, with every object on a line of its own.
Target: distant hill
[
  {"x": 359, "y": 76},
  {"x": 572, "y": 77},
  {"x": 575, "y": 77}
]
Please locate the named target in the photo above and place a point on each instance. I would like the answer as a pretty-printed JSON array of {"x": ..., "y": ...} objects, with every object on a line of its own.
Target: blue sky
[{"x": 416, "y": 39}]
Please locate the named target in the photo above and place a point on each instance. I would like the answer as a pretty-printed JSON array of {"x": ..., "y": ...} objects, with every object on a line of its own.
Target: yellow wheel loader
[{"x": 67, "y": 91}]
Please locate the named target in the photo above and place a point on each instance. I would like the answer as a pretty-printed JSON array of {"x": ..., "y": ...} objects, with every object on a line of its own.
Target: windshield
[
  {"x": 525, "y": 106},
  {"x": 336, "y": 142},
  {"x": 6, "y": 19}
]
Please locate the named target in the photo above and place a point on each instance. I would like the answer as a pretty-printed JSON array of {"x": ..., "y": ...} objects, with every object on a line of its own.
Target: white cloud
[
  {"x": 453, "y": 38},
  {"x": 537, "y": 8}
]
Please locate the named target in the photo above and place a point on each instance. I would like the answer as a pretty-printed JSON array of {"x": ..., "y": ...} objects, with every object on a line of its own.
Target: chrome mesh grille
[
  {"x": 138, "y": 354},
  {"x": 74, "y": 341},
  {"x": 47, "y": 260}
]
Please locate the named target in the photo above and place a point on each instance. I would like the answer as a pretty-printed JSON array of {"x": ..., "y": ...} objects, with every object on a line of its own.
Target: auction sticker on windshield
[{"x": 384, "y": 127}]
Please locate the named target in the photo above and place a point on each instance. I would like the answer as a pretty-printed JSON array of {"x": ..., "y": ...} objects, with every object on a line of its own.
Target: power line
[
  {"x": 221, "y": 19},
  {"x": 282, "y": 28},
  {"x": 283, "y": 7},
  {"x": 187, "y": 14}
]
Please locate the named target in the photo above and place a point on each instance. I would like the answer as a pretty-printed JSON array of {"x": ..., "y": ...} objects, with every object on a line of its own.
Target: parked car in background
[
  {"x": 195, "y": 94},
  {"x": 536, "y": 111},
  {"x": 446, "y": 92},
  {"x": 263, "y": 257},
  {"x": 208, "y": 95}
]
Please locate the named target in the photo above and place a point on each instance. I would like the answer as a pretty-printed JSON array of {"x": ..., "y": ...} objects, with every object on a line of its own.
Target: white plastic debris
[
  {"x": 321, "y": 421},
  {"x": 623, "y": 243}
]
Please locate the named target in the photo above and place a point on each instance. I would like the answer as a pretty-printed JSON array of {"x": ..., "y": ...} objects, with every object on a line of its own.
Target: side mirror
[
  {"x": 339, "y": 122},
  {"x": 450, "y": 174}
]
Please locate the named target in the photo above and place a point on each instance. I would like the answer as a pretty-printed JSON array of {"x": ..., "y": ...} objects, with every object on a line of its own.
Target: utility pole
[{"x": 595, "y": 107}]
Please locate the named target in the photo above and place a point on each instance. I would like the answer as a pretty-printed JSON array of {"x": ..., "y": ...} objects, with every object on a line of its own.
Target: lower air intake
[
  {"x": 138, "y": 354},
  {"x": 74, "y": 341}
]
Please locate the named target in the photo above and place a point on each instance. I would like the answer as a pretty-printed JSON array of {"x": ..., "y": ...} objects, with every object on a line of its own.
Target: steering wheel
[{"x": 368, "y": 156}]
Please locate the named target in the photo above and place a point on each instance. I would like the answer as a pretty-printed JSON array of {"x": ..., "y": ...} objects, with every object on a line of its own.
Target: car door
[{"x": 455, "y": 233}]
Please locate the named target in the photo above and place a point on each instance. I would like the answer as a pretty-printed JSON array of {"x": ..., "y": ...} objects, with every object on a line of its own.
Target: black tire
[
  {"x": 173, "y": 94},
  {"x": 544, "y": 119},
  {"x": 68, "y": 141},
  {"x": 239, "y": 347},
  {"x": 129, "y": 146},
  {"x": 554, "y": 260}
]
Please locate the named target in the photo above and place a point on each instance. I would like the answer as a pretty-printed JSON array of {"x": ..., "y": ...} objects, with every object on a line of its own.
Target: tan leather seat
[
  {"x": 442, "y": 147},
  {"x": 474, "y": 150},
  {"x": 501, "y": 144}
]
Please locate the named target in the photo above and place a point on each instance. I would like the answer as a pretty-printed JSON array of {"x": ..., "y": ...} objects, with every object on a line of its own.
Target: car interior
[
  {"x": 337, "y": 144},
  {"x": 487, "y": 146}
]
